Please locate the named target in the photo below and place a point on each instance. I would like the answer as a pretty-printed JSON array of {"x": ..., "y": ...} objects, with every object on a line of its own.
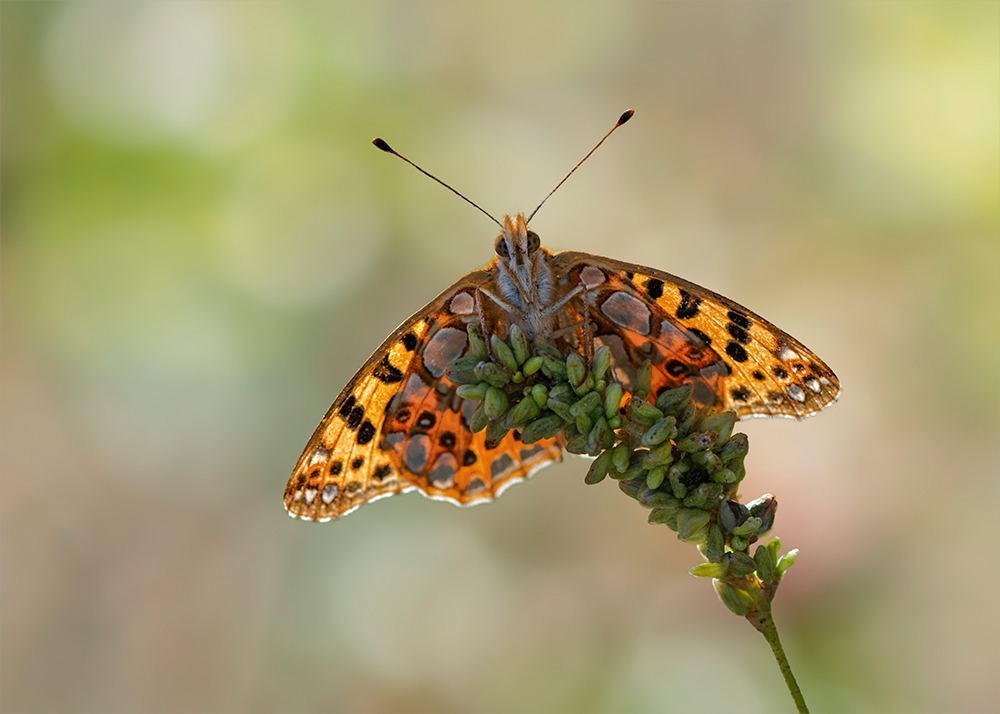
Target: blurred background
[{"x": 200, "y": 246}]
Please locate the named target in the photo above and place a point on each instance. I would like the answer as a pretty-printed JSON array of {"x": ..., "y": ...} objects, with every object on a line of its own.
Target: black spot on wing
[
  {"x": 739, "y": 318},
  {"x": 700, "y": 335},
  {"x": 346, "y": 407},
  {"x": 736, "y": 351},
  {"x": 689, "y": 306},
  {"x": 365, "y": 432},
  {"x": 386, "y": 373},
  {"x": 654, "y": 288},
  {"x": 409, "y": 341},
  {"x": 355, "y": 417}
]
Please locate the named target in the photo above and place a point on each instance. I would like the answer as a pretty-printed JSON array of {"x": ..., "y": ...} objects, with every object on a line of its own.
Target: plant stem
[{"x": 762, "y": 620}]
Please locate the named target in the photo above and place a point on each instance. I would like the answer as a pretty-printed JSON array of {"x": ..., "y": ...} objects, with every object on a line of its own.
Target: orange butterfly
[{"x": 399, "y": 424}]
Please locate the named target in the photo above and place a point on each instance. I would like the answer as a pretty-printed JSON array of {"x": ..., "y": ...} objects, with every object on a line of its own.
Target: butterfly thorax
[{"x": 524, "y": 277}]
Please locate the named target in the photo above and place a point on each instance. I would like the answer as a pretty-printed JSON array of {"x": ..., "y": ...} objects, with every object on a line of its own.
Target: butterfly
[{"x": 399, "y": 424}]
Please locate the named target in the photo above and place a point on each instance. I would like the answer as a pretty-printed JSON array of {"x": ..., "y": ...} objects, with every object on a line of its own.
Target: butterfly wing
[
  {"x": 399, "y": 425},
  {"x": 734, "y": 358}
]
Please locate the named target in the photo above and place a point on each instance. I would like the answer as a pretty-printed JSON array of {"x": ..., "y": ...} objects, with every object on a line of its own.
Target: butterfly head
[{"x": 517, "y": 244}]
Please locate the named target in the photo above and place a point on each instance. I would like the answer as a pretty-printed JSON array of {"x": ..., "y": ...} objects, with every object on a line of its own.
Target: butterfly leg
[
  {"x": 558, "y": 304},
  {"x": 482, "y": 323}
]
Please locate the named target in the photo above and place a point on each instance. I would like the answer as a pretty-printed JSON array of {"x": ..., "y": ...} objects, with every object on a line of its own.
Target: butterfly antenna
[
  {"x": 389, "y": 150},
  {"x": 621, "y": 120}
]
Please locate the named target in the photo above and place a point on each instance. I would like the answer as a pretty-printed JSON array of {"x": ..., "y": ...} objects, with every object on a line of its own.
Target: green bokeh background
[{"x": 200, "y": 246}]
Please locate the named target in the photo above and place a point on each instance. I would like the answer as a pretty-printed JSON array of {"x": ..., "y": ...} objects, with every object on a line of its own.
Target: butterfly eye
[
  {"x": 533, "y": 242},
  {"x": 500, "y": 246}
]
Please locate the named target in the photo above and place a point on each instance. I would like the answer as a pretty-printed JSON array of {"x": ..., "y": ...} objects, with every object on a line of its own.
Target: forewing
[
  {"x": 400, "y": 426},
  {"x": 734, "y": 358}
]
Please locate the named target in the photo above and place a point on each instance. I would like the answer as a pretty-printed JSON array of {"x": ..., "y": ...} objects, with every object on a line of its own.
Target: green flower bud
[
  {"x": 748, "y": 528},
  {"x": 519, "y": 344},
  {"x": 502, "y": 353},
  {"x": 661, "y": 455},
  {"x": 495, "y": 402},
  {"x": 525, "y": 411},
  {"x": 613, "y": 399},
  {"x": 773, "y": 546},
  {"x": 630, "y": 486},
  {"x": 493, "y": 373},
  {"x": 786, "y": 561},
  {"x": 672, "y": 400},
  {"x": 496, "y": 431},
  {"x": 543, "y": 347},
  {"x": 540, "y": 393},
  {"x": 655, "y": 477},
  {"x": 724, "y": 476},
  {"x": 692, "y": 525},
  {"x": 709, "y": 570},
  {"x": 739, "y": 564},
  {"x": 643, "y": 382},
  {"x": 600, "y": 362},
  {"x": 479, "y": 420},
  {"x": 738, "y": 601},
  {"x": 477, "y": 347},
  {"x": 734, "y": 450},
  {"x": 578, "y": 445},
  {"x": 560, "y": 408},
  {"x": 704, "y": 495},
  {"x": 532, "y": 365},
  {"x": 586, "y": 385},
  {"x": 721, "y": 423},
  {"x": 553, "y": 368},
  {"x": 685, "y": 420},
  {"x": 652, "y": 498},
  {"x": 697, "y": 441},
  {"x": 667, "y": 515},
  {"x": 706, "y": 460},
  {"x": 765, "y": 565},
  {"x": 621, "y": 457},
  {"x": 472, "y": 391},
  {"x": 600, "y": 438},
  {"x": 738, "y": 543},
  {"x": 635, "y": 467},
  {"x": 715, "y": 546},
  {"x": 662, "y": 430},
  {"x": 586, "y": 405},
  {"x": 462, "y": 370},
  {"x": 599, "y": 468},
  {"x": 674, "y": 474},
  {"x": 576, "y": 369},
  {"x": 643, "y": 412},
  {"x": 543, "y": 428}
]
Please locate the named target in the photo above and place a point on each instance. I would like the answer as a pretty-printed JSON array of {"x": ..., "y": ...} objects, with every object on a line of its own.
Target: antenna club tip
[
  {"x": 382, "y": 145},
  {"x": 625, "y": 117}
]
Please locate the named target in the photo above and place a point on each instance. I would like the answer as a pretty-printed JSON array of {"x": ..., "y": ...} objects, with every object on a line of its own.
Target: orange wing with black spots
[
  {"x": 735, "y": 358},
  {"x": 399, "y": 425}
]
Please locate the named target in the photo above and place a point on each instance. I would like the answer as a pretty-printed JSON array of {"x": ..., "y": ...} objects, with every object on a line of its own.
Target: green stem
[{"x": 762, "y": 620}]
